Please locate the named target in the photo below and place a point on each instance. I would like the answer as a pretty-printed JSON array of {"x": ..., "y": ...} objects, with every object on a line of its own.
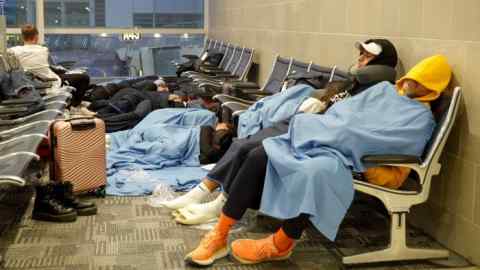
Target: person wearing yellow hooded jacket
[{"x": 424, "y": 82}]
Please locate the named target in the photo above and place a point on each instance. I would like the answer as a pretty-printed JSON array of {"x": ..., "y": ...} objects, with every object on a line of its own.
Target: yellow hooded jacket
[{"x": 434, "y": 73}]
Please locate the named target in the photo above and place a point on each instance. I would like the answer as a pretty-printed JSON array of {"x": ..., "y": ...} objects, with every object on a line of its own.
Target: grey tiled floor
[{"x": 127, "y": 234}]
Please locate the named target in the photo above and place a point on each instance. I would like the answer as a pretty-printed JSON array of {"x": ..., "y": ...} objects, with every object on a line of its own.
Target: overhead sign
[
  {"x": 2, "y": 6},
  {"x": 131, "y": 36}
]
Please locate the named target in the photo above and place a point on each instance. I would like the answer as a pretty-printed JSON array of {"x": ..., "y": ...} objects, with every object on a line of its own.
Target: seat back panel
[
  {"x": 237, "y": 52},
  {"x": 226, "y": 57},
  {"x": 444, "y": 109},
  {"x": 244, "y": 63},
  {"x": 280, "y": 70}
]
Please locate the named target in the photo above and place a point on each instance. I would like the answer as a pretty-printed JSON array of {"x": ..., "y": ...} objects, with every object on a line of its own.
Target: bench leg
[{"x": 398, "y": 249}]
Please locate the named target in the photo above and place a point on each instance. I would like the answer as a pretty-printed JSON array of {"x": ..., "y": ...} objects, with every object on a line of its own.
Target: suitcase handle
[{"x": 83, "y": 124}]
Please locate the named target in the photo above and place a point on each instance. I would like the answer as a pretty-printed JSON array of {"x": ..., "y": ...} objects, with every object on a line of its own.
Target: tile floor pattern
[{"x": 128, "y": 234}]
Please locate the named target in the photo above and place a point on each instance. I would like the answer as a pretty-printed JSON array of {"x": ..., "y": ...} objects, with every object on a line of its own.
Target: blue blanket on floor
[
  {"x": 163, "y": 148},
  {"x": 309, "y": 168},
  {"x": 272, "y": 109}
]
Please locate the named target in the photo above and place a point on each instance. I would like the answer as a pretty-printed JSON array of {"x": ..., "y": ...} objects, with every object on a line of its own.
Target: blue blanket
[
  {"x": 272, "y": 109},
  {"x": 178, "y": 116},
  {"x": 309, "y": 168},
  {"x": 164, "y": 148}
]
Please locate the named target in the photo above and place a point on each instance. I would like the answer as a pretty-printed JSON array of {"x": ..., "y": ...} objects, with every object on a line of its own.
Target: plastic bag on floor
[
  {"x": 161, "y": 193},
  {"x": 136, "y": 175}
]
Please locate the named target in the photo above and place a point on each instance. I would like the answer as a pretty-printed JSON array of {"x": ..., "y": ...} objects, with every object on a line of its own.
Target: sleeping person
[
  {"x": 129, "y": 105},
  {"x": 305, "y": 175},
  {"x": 168, "y": 138}
]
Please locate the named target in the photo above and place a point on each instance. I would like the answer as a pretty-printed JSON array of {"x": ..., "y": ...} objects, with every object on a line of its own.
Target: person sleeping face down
[
  {"x": 427, "y": 80},
  {"x": 424, "y": 82}
]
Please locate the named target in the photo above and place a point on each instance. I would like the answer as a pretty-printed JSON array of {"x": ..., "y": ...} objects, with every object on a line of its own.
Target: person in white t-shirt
[{"x": 35, "y": 59}]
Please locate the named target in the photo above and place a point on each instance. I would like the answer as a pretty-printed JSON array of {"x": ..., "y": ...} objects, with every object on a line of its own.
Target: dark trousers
[
  {"x": 241, "y": 172},
  {"x": 228, "y": 168},
  {"x": 81, "y": 82}
]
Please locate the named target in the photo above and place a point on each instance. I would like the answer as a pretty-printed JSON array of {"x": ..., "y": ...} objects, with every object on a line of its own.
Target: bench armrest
[
  {"x": 244, "y": 85},
  {"x": 209, "y": 66},
  {"x": 210, "y": 84},
  {"x": 216, "y": 72},
  {"x": 391, "y": 159},
  {"x": 210, "y": 70},
  {"x": 254, "y": 92},
  {"x": 18, "y": 101},
  {"x": 206, "y": 80},
  {"x": 12, "y": 110},
  {"x": 190, "y": 56}
]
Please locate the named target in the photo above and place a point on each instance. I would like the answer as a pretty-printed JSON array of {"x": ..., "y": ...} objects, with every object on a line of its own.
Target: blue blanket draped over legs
[
  {"x": 162, "y": 148},
  {"x": 272, "y": 109},
  {"x": 309, "y": 168}
]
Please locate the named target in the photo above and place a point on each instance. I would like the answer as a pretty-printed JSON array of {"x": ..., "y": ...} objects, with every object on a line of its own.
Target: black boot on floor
[
  {"x": 47, "y": 208},
  {"x": 64, "y": 193}
]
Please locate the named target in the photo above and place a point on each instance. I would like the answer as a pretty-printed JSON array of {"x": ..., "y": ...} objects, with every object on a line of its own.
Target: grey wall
[
  {"x": 3, "y": 29},
  {"x": 324, "y": 31}
]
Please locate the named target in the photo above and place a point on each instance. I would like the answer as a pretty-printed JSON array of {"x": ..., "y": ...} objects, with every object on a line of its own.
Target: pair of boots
[{"x": 56, "y": 202}]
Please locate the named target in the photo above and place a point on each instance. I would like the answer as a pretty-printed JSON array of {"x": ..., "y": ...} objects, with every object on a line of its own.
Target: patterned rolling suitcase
[{"x": 78, "y": 153}]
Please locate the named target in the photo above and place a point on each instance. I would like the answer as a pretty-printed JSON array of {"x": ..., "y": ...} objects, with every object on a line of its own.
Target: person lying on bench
[
  {"x": 130, "y": 105},
  {"x": 106, "y": 91},
  {"x": 34, "y": 58},
  {"x": 305, "y": 176},
  {"x": 378, "y": 55}
]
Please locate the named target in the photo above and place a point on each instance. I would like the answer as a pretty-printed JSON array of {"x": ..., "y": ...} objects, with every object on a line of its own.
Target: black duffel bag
[{"x": 210, "y": 58}]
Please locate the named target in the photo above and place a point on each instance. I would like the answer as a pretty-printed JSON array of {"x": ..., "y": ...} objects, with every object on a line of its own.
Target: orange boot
[
  {"x": 276, "y": 247},
  {"x": 213, "y": 246}
]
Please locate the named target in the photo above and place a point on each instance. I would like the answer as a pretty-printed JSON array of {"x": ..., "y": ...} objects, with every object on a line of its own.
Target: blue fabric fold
[
  {"x": 272, "y": 109},
  {"x": 309, "y": 168},
  {"x": 165, "y": 146}
]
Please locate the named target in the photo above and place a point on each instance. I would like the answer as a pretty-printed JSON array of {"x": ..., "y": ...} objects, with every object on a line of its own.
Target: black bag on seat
[
  {"x": 210, "y": 57},
  {"x": 314, "y": 79}
]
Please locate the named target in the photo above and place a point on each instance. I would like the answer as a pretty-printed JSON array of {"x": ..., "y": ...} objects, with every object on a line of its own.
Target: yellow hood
[{"x": 433, "y": 73}]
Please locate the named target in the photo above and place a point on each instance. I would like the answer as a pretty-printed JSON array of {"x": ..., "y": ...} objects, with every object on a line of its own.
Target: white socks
[
  {"x": 199, "y": 213},
  {"x": 195, "y": 195},
  {"x": 214, "y": 206}
]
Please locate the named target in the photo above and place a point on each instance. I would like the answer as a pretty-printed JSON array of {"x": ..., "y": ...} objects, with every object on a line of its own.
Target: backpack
[{"x": 210, "y": 57}]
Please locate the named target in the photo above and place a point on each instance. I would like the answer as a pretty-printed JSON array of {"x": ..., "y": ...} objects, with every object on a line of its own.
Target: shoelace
[
  {"x": 209, "y": 239},
  {"x": 266, "y": 250},
  {"x": 56, "y": 205}
]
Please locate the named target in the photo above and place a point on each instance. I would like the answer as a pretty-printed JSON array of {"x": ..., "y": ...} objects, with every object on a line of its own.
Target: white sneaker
[
  {"x": 195, "y": 195},
  {"x": 200, "y": 213}
]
